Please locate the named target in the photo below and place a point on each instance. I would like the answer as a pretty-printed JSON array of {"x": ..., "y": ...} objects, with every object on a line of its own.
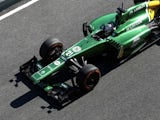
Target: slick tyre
[
  {"x": 51, "y": 49},
  {"x": 88, "y": 77},
  {"x": 138, "y": 1},
  {"x": 157, "y": 15}
]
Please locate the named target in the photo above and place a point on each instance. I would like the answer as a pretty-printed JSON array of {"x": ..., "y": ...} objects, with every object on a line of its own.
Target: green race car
[{"x": 117, "y": 35}]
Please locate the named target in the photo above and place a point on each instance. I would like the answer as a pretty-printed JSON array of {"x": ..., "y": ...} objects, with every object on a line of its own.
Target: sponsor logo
[
  {"x": 73, "y": 50},
  {"x": 57, "y": 62},
  {"x": 137, "y": 9},
  {"x": 42, "y": 72},
  {"x": 133, "y": 25},
  {"x": 76, "y": 49}
]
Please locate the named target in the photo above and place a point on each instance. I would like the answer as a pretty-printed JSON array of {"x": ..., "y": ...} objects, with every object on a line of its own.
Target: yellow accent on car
[
  {"x": 151, "y": 14},
  {"x": 153, "y": 6}
]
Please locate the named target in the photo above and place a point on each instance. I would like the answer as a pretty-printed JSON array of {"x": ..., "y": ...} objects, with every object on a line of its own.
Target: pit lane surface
[{"x": 129, "y": 92}]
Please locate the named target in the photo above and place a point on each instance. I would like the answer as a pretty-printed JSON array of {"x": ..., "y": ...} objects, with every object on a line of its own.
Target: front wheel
[
  {"x": 51, "y": 49},
  {"x": 88, "y": 77}
]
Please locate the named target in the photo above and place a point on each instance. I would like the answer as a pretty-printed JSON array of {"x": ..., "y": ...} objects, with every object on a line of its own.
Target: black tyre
[
  {"x": 88, "y": 77},
  {"x": 138, "y": 1},
  {"x": 51, "y": 49},
  {"x": 157, "y": 15}
]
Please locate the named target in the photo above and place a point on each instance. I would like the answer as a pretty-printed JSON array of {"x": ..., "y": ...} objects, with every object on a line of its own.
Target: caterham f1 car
[{"x": 119, "y": 35}]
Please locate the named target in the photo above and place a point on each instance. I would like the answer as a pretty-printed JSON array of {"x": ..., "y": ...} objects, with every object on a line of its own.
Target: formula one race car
[{"x": 118, "y": 35}]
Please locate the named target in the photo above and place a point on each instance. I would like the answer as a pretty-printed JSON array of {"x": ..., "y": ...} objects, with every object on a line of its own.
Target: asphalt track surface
[{"x": 129, "y": 92}]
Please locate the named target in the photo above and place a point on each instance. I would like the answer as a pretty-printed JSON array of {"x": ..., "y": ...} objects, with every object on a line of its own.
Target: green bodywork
[
  {"x": 128, "y": 38},
  {"x": 85, "y": 47}
]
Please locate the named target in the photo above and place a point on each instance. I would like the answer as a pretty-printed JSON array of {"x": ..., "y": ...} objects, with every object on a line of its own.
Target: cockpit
[
  {"x": 105, "y": 31},
  {"x": 108, "y": 29}
]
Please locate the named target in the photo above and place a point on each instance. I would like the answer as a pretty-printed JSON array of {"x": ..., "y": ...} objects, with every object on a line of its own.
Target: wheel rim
[
  {"x": 92, "y": 81},
  {"x": 55, "y": 53}
]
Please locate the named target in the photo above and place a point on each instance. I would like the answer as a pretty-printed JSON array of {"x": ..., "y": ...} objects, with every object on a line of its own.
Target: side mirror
[
  {"x": 120, "y": 10},
  {"x": 85, "y": 29}
]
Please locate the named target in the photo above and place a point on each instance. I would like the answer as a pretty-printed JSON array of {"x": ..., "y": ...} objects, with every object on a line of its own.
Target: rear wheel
[
  {"x": 157, "y": 14},
  {"x": 138, "y": 1},
  {"x": 51, "y": 49},
  {"x": 88, "y": 77}
]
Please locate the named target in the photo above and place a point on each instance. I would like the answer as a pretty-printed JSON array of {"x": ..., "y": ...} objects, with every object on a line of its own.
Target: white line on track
[{"x": 18, "y": 9}]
